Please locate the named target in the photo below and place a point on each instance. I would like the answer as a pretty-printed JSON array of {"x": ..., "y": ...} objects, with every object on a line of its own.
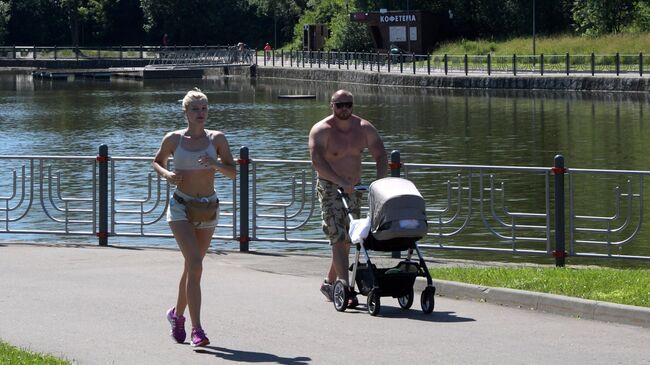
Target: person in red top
[{"x": 267, "y": 50}]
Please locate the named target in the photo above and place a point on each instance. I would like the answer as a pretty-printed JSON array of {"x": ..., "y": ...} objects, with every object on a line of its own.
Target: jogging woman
[{"x": 198, "y": 153}]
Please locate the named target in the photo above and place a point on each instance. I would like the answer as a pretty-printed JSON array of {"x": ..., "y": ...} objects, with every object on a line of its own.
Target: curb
[{"x": 550, "y": 303}]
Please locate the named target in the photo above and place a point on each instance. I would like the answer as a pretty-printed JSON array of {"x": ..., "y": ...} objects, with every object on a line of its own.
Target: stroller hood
[{"x": 397, "y": 209}]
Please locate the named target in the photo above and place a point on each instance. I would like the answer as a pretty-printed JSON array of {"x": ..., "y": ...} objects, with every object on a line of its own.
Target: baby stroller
[{"x": 397, "y": 220}]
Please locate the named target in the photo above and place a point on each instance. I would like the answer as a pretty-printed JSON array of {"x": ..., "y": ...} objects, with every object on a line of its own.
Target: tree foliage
[
  {"x": 4, "y": 19},
  {"x": 113, "y": 22},
  {"x": 595, "y": 17}
]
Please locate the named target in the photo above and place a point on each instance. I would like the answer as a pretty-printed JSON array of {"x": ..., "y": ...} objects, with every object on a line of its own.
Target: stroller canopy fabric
[{"x": 397, "y": 209}]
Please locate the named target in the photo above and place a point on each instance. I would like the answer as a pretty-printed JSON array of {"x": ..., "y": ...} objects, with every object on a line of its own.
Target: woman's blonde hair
[{"x": 193, "y": 95}]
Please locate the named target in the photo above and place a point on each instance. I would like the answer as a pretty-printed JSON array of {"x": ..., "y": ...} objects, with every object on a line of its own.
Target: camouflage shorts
[{"x": 335, "y": 221}]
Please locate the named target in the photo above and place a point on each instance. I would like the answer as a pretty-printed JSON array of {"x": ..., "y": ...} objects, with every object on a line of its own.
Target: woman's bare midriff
[{"x": 196, "y": 182}]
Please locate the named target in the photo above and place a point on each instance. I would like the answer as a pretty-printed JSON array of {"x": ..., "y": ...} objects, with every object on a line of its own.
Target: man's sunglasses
[{"x": 344, "y": 104}]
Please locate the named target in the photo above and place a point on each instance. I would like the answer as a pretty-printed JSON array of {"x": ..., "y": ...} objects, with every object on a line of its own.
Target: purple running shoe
[
  {"x": 178, "y": 325},
  {"x": 199, "y": 339}
]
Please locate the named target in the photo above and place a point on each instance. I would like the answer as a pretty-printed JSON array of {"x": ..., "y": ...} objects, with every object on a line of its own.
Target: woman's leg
[{"x": 194, "y": 244}]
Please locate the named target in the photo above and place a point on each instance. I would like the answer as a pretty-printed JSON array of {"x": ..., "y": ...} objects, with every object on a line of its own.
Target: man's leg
[{"x": 340, "y": 261}]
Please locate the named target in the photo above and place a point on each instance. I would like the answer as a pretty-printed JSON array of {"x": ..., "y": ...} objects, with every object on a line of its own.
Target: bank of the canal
[{"x": 626, "y": 83}]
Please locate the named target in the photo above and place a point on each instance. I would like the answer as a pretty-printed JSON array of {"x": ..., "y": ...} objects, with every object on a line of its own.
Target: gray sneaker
[{"x": 326, "y": 289}]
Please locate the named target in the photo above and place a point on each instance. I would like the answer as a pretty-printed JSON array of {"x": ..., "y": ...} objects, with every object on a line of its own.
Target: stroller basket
[
  {"x": 395, "y": 282},
  {"x": 397, "y": 210}
]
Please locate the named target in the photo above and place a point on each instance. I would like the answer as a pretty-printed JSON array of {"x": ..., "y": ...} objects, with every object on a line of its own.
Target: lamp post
[
  {"x": 408, "y": 27},
  {"x": 533, "y": 30}
]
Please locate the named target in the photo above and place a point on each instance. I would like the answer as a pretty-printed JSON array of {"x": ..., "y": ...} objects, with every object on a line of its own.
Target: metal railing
[
  {"x": 499, "y": 209},
  {"x": 410, "y": 63},
  {"x": 407, "y": 63},
  {"x": 155, "y": 54}
]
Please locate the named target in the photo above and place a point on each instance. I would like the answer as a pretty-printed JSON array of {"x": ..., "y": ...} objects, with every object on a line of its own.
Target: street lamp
[
  {"x": 408, "y": 27},
  {"x": 533, "y": 29}
]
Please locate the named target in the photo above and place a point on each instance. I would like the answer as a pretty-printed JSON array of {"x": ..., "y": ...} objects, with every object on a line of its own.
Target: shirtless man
[{"x": 335, "y": 145}]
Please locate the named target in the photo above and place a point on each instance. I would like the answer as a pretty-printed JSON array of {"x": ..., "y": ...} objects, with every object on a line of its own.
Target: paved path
[{"x": 96, "y": 305}]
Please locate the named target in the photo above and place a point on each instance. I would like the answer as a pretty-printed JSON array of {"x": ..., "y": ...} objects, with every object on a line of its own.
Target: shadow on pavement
[
  {"x": 248, "y": 356},
  {"x": 394, "y": 312}
]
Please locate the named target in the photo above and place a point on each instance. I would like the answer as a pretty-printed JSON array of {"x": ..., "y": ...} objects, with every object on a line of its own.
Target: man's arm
[{"x": 376, "y": 149}]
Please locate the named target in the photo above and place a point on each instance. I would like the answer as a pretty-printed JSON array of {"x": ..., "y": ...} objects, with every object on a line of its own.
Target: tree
[
  {"x": 595, "y": 17},
  {"x": 4, "y": 19},
  {"x": 283, "y": 12},
  {"x": 346, "y": 35}
]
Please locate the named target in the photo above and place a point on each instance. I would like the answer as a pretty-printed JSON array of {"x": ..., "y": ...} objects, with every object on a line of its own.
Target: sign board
[{"x": 397, "y": 34}]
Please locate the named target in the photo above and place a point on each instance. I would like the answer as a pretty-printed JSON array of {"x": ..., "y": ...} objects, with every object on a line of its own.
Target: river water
[{"x": 479, "y": 127}]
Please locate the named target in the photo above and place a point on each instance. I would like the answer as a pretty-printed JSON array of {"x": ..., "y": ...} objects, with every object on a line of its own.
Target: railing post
[
  {"x": 446, "y": 64},
  {"x": 243, "y": 162},
  {"x": 568, "y": 64},
  {"x": 34, "y": 53},
  {"x": 401, "y": 63},
  {"x": 395, "y": 166},
  {"x": 413, "y": 63},
  {"x": 593, "y": 63},
  {"x": 465, "y": 61},
  {"x": 541, "y": 64},
  {"x": 14, "y": 51},
  {"x": 641, "y": 64},
  {"x": 102, "y": 161},
  {"x": 120, "y": 52},
  {"x": 378, "y": 58},
  {"x": 618, "y": 63},
  {"x": 55, "y": 49},
  {"x": 388, "y": 59},
  {"x": 428, "y": 64},
  {"x": 273, "y": 57},
  {"x": 282, "y": 57},
  {"x": 558, "y": 171},
  {"x": 141, "y": 52},
  {"x": 489, "y": 64},
  {"x": 514, "y": 64}
]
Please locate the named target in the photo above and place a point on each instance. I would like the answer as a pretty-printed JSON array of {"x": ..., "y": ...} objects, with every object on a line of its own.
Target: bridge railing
[
  {"x": 156, "y": 54},
  {"x": 477, "y": 208}
]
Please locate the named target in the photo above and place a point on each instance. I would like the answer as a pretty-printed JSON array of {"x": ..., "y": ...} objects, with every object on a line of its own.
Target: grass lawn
[
  {"x": 15, "y": 356},
  {"x": 623, "y": 286},
  {"x": 623, "y": 43}
]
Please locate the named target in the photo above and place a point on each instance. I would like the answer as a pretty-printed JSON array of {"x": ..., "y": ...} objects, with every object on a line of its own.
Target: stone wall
[{"x": 528, "y": 82}]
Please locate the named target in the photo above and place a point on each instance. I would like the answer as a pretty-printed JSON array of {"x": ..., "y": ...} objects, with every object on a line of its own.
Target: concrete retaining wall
[{"x": 546, "y": 82}]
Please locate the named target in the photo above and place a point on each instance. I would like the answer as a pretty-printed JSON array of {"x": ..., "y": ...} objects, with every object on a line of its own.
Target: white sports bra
[{"x": 189, "y": 160}]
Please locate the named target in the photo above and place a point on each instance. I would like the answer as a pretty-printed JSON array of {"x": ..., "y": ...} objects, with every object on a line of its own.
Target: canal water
[{"x": 429, "y": 126}]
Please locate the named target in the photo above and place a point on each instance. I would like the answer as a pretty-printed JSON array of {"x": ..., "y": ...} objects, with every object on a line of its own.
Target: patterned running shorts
[{"x": 335, "y": 220}]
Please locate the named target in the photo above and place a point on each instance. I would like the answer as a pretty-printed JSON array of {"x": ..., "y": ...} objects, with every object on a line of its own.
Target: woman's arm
[
  {"x": 159, "y": 164},
  {"x": 225, "y": 164}
]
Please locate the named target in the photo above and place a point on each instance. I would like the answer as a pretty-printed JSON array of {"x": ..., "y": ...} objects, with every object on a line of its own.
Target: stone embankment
[{"x": 627, "y": 83}]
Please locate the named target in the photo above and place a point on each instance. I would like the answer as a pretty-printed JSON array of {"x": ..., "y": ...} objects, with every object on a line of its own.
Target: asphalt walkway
[{"x": 95, "y": 305}]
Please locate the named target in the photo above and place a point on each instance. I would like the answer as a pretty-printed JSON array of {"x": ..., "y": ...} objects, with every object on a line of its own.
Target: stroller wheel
[
  {"x": 427, "y": 300},
  {"x": 340, "y": 295},
  {"x": 374, "y": 302},
  {"x": 406, "y": 301}
]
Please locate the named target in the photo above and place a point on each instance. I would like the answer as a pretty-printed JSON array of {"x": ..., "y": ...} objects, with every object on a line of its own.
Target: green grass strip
[
  {"x": 15, "y": 356},
  {"x": 630, "y": 287}
]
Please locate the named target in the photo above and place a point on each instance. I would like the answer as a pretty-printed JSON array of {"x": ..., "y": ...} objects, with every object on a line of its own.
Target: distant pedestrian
[
  {"x": 267, "y": 50},
  {"x": 165, "y": 40},
  {"x": 194, "y": 207}
]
